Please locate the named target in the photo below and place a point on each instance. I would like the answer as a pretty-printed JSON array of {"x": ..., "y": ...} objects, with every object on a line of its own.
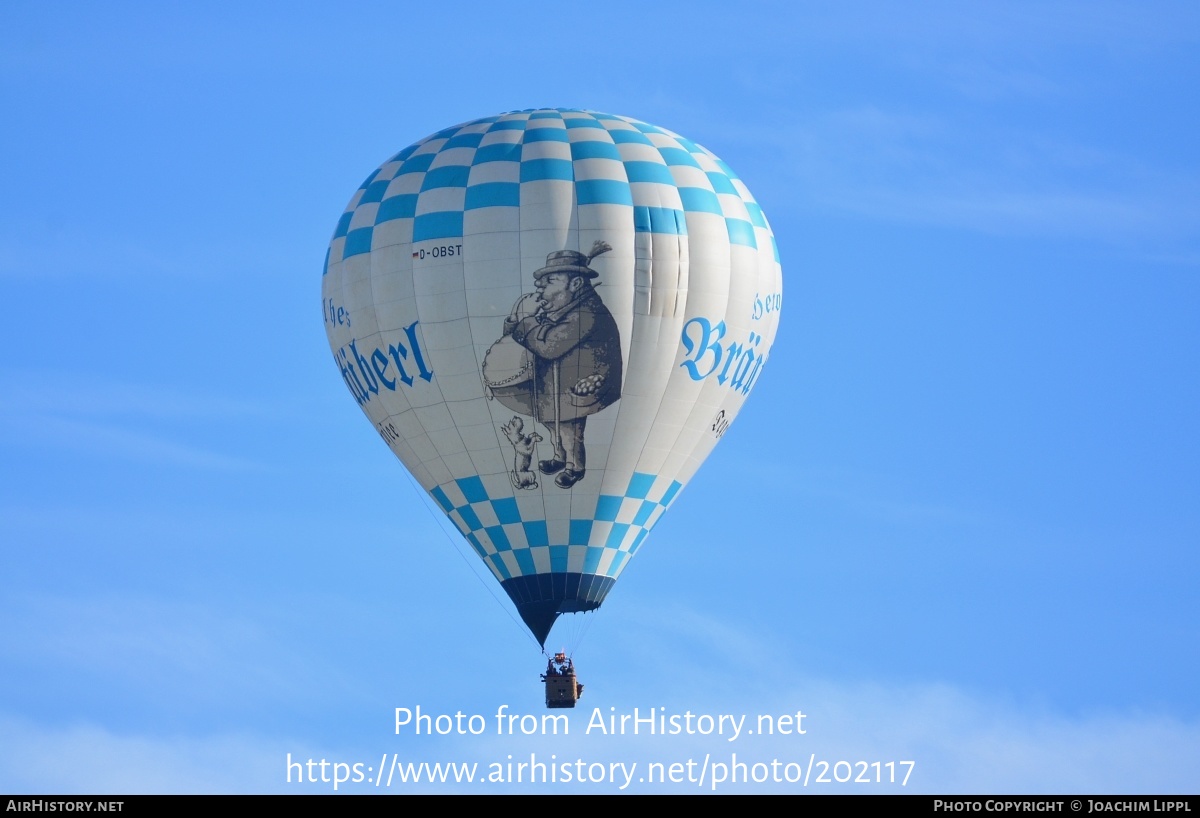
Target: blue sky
[{"x": 956, "y": 523}]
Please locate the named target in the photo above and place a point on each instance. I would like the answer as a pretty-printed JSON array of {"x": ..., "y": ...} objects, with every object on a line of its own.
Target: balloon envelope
[{"x": 551, "y": 317}]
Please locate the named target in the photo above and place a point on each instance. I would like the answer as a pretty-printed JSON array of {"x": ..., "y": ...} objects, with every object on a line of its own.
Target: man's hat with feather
[{"x": 573, "y": 262}]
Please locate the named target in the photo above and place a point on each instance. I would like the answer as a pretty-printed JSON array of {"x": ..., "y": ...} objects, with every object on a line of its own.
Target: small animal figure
[{"x": 524, "y": 446}]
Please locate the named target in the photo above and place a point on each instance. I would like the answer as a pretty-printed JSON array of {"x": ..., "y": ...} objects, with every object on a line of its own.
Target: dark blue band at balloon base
[{"x": 540, "y": 598}]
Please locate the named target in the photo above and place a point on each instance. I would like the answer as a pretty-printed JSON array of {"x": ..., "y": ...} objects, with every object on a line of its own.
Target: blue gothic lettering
[
  {"x": 704, "y": 352},
  {"x": 365, "y": 373}
]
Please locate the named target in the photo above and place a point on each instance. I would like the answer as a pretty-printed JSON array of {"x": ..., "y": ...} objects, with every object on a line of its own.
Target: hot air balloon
[{"x": 551, "y": 316}]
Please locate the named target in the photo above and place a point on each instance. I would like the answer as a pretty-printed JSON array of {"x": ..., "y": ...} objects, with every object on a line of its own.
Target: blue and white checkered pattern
[
  {"x": 663, "y": 178},
  {"x": 513, "y": 546}
]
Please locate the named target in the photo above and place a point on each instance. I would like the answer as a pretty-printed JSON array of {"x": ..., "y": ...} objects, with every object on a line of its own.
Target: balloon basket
[{"x": 562, "y": 691}]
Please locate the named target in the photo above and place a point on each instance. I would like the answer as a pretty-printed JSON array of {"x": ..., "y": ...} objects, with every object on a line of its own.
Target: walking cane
[{"x": 557, "y": 429}]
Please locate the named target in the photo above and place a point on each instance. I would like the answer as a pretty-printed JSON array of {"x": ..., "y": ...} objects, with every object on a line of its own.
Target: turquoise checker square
[
  {"x": 374, "y": 191},
  {"x": 357, "y": 242},
  {"x": 499, "y": 152},
  {"x": 442, "y": 499},
  {"x": 644, "y": 512},
  {"x": 499, "y": 538},
  {"x": 498, "y": 561},
  {"x": 493, "y": 194},
  {"x": 463, "y": 140},
  {"x": 619, "y": 558},
  {"x": 722, "y": 184},
  {"x": 594, "y": 149},
  {"x": 580, "y": 532},
  {"x": 546, "y": 135},
  {"x": 603, "y": 191},
  {"x": 472, "y": 489},
  {"x": 448, "y": 176},
  {"x": 470, "y": 517},
  {"x": 443, "y": 225},
  {"x": 403, "y": 206},
  {"x": 678, "y": 156},
  {"x": 741, "y": 232},
  {"x": 416, "y": 164},
  {"x": 525, "y": 561},
  {"x": 639, "y": 485},
  {"x": 617, "y": 535},
  {"x": 537, "y": 170},
  {"x": 506, "y": 510},
  {"x": 626, "y": 136},
  {"x": 670, "y": 493},
  {"x": 660, "y": 220},
  {"x": 697, "y": 199},
  {"x": 536, "y": 533},
  {"x": 608, "y": 506},
  {"x": 591, "y": 560},
  {"x": 649, "y": 172}
]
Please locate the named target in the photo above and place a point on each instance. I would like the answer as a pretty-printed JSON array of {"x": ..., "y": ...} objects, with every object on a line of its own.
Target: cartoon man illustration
[{"x": 575, "y": 349}]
